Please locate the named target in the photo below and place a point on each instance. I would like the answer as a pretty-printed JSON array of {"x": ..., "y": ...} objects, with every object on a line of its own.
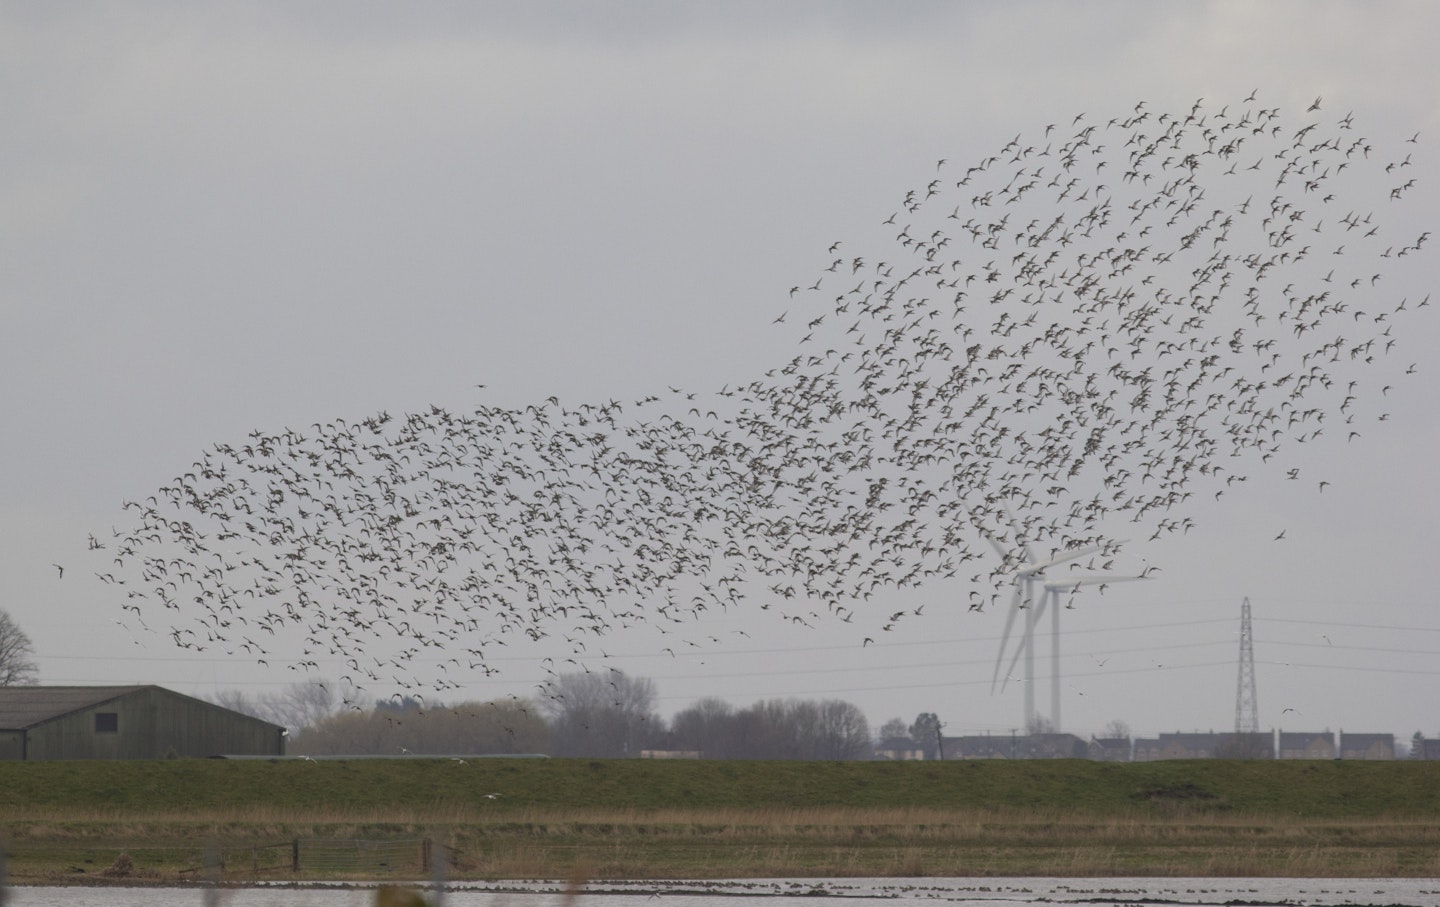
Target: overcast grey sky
[{"x": 217, "y": 218}]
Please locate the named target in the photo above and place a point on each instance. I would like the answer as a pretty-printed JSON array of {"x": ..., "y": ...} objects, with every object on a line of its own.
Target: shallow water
[{"x": 795, "y": 893}]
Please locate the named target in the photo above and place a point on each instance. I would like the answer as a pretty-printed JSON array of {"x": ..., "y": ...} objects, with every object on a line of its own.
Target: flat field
[{"x": 479, "y": 818}]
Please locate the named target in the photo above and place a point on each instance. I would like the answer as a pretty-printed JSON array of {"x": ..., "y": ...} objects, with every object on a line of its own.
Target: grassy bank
[{"x": 685, "y": 819}]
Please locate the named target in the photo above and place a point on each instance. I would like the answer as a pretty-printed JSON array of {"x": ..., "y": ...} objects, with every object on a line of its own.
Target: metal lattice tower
[{"x": 1247, "y": 713}]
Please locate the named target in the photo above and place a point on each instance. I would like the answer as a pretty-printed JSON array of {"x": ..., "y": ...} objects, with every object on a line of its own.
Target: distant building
[
  {"x": 1014, "y": 746},
  {"x": 1056, "y": 746},
  {"x": 1427, "y": 748},
  {"x": 1367, "y": 746},
  {"x": 134, "y": 722},
  {"x": 1246, "y": 745},
  {"x": 983, "y": 746},
  {"x": 1209, "y": 745},
  {"x": 1195, "y": 745},
  {"x": 669, "y": 754},
  {"x": 899, "y": 749},
  {"x": 1177, "y": 746},
  {"x": 1307, "y": 745},
  {"x": 1110, "y": 749},
  {"x": 1145, "y": 749}
]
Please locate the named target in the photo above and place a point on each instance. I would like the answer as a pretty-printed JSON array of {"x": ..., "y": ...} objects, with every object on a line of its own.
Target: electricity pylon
[{"x": 1247, "y": 713}]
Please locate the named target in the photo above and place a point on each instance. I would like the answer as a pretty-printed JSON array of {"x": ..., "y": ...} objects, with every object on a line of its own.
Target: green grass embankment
[{"x": 688, "y": 819}]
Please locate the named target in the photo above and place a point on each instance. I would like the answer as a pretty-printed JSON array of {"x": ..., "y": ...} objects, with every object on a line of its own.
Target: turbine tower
[
  {"x": 1071, "y": 585},
  {"x": 1247, "y": 713},
  {"x": 1025, "y": 578}
]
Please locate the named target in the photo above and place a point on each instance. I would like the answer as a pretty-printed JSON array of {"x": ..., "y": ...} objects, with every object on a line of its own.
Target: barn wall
[
  {"x": 154, "y": 723},
  {"x": 12, "y": 744}
]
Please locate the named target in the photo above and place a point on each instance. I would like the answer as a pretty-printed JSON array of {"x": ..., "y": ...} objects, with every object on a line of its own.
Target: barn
[{"x": 131, "y": 722}]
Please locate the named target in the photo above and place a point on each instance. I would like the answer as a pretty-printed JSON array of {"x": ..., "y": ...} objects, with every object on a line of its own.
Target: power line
[{"x": 1332, "y": 623}]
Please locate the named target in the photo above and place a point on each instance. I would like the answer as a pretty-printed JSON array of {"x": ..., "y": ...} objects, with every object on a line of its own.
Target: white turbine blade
[
  {"x": 1026, "y": 640},
  {"x": 1060, "y": 558},
  {"x": 1005, "y": 638}
]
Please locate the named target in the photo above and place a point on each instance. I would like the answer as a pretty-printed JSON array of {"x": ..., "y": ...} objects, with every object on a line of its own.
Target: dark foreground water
[{"x": 796, "y": 893}]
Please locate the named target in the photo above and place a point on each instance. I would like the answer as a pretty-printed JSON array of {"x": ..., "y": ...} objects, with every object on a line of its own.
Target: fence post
[
  {"x": 3, "y": 895},
  {"x": 214, "y": 872},
  {"x": 425, "y": 855},
  {"x": 438, "y": 860},
  {"x": 295, "y": 855}
]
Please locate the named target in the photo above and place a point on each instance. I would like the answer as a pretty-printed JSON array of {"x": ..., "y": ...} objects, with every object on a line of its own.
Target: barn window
[{"x": 107, "y": 722}]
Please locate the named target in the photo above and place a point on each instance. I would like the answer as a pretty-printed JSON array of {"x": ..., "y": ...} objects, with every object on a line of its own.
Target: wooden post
[
  {"x": 214, "y": 873},
  {"x": 439, "y": 860},
  {"x": 295, "y": 855}
]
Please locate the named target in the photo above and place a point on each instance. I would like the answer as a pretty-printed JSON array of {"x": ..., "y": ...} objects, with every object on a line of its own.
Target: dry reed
[{"x": 731, "y": 842}]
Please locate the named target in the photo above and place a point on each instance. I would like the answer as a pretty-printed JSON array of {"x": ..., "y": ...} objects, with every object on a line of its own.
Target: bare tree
[
  {"x": 239, "y": 701},
  {"x": 706, "y": 726},
  {"x": 926, "y": 732},
  {"x": 498, "y": 727},
  {"x": 605, "y": 715},
  {"x": 300, "y": 705},
  {"x": 17, "y": 655},
  {"x": 776, "y": 729},
  {"x": 1116, "y": 730},
  {"x": 1039, "y": 724},
  {"x": 844, "y": 733},
  {"x": 769, "y": 729},
  {"x": 895, "y": 727}
]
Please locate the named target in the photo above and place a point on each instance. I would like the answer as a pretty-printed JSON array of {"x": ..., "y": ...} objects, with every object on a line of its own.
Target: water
[{"x": 797, "y": 893}]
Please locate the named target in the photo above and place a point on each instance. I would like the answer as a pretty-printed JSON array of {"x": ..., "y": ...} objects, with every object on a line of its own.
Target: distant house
[
  {"x": 1055, "y": 746},
  {"x": 1029, "y": 746},
  {"x": 1367, "y": 746},
  {"x": 1307, "y": 745},
  {"x": 899, "y": 749},
  {"x": 1177, "y": 746},
  {"x": 1110, "y": 749},
  {"x": 132, "y": 722},
  {"x": 1145, "y": 749},
  {"x": 1246, "y": 745},
  {"x": 1209, "y": 745},
  {"x": 983, "y": 746}
]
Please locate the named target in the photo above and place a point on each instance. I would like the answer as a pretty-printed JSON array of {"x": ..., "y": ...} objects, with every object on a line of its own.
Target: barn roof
[{"x": 26, "y": 706}]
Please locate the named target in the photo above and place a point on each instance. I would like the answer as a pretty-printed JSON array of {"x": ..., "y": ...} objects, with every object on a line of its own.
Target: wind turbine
[
  {"x": 1053, "y": 588},
  {"x": 1030, "y": 572}
]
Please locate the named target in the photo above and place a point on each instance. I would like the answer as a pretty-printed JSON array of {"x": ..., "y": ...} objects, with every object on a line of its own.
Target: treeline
[
  {"x": 773, "y": 729},
  {"x": 398, "y": 729},
  {"x": 595, "y": 715}
]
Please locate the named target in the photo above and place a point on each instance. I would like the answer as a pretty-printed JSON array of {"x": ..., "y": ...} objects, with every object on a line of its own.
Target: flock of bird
[{"x": 1095, "y": 323}]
